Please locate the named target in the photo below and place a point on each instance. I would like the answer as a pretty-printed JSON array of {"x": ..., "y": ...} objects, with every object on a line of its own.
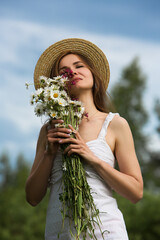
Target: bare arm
[
  {"x": 128, "y": 181},
  {"x": 37, "y": 182}
]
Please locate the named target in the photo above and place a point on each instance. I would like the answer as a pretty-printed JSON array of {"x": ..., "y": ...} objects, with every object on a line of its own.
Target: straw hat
[{"x": 81, "y": 46}]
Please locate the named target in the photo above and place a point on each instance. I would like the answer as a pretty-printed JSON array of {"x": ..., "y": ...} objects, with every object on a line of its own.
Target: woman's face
[{"x": 81, "y": 73}]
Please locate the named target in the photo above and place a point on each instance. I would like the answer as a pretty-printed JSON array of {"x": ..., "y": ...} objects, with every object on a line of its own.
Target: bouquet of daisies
[{"x": 52, "y": 99}]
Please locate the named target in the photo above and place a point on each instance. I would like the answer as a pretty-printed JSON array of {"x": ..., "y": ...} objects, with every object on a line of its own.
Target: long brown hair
[{"x": 100, "y": 95}]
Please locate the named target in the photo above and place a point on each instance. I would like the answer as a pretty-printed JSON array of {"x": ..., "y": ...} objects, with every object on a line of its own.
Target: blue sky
[
  {"x": 122, "y": 29},
  {"x": 138, "y": 19}
]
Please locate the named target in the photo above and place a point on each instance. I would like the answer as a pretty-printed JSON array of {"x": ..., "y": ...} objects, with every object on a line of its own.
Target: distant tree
[
  {"x": 6, "y": 172},
  {"x": 157, "y": 111},
  {"x": 152, "y": 172},
  {"x": 127, "y": 96},
  {"x": 152, "y": 167},
  {"x": 21, "y": 170},
  {"x": 143, "y": 219},
  {"x": 18, "y": 220}
]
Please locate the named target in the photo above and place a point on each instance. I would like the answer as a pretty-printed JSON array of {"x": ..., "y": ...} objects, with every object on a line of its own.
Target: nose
[{"x": 74, "y": 72}]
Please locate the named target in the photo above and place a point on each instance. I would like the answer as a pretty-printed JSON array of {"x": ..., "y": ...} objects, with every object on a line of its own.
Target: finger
[
  {"x": 70, "y": 126},
  {"x": 75, "y": 150},
  {"x": 71, "y": 147},
  {"x": 53, "y": 140},
  {"x": 69, "y": 140},
  {"x": 75, "y": 132},
  {"x": 64, "y": 130},
  {"x": 58, "y": 135},
  {"x": 52, "y": 123}
]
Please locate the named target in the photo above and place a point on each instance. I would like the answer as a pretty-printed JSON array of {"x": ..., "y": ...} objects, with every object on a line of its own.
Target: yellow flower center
[
  {"x": 53, "y": 114},
  {"x": 55, "y": 95}
]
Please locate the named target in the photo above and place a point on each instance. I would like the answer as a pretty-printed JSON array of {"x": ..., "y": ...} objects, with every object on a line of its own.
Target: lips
[{"x": 76, "y": 79}]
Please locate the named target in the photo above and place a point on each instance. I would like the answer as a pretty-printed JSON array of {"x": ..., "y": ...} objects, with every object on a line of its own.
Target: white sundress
[{"x": 111, "y": 217}]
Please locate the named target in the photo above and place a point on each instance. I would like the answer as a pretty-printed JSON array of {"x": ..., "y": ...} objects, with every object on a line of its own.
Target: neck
[{"x": 88, "y": 102}]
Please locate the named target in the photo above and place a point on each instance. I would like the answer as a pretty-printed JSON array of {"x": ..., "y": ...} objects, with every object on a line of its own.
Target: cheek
[
  {"x": 90, "y": 76},
  {"x": 88, "y": 73}
]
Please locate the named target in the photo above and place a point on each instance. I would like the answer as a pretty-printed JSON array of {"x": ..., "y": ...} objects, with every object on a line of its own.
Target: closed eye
[{"x": 79, "y": 66}]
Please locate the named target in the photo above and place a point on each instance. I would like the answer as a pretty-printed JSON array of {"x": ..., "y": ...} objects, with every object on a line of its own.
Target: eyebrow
[{"x": 73, "y": 64}]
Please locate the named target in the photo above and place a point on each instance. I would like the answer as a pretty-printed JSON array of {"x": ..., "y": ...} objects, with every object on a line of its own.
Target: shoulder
[
  {"x": 119, "y": 122},
  {"x": 120, "y": 126}
]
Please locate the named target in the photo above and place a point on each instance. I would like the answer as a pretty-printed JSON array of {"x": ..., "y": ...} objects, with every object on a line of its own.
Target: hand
[
  {"x": 56, "y": 134},
  {"x": 77, "y": 145}
]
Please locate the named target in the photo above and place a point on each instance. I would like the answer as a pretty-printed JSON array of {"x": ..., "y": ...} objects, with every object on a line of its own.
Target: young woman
[{"x": 102, "y": 138}]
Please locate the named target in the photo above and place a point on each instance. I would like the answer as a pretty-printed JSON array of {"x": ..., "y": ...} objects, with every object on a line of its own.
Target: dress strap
[{"x": 108, "y": 119}]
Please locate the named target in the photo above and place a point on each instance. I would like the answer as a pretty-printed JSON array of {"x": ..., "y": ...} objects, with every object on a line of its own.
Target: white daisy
[
  {"x": 53, "y": 114},
  {"x": 78, "y": 103},
  {"x": 65, "y": 113},
  {"x": 55, "y": 94},
  {"x": 78, "y": 114},
  {"x": 64, "y": 167},
  {"x": 32, "y": 98},
  {"x": 51, "y": 81},
  {"x": 72, "y": 102},
  {"x": 27, "y": 85},
  {"x": 63, "y": 80},
  {"x": 59, "y": 125},
  {"x": 43, "y": 80},
  {"x": 39, "y": 109},
  {"x": 82, "y": 109},
  {"x": 64, "y": 94},
  {"x": 62, "y": 102},
  {"x": 39, "y": 91},
  {"x": 47, "y": 92},
  {"x": 58, "y": 78}
]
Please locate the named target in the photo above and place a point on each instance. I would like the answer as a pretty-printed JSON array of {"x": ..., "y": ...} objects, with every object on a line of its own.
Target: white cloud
[{"x": 21, "y": 44}]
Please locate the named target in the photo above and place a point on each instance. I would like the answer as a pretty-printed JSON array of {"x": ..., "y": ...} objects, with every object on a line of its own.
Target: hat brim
[{"x": 81, "y": 46}]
